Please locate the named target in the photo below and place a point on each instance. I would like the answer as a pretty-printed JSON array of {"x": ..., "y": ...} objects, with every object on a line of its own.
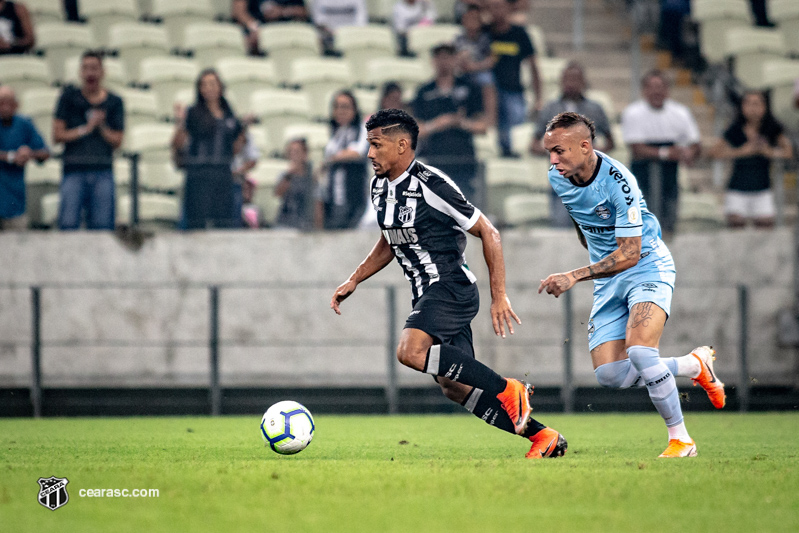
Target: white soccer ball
[{"x": 287, "y": 427}]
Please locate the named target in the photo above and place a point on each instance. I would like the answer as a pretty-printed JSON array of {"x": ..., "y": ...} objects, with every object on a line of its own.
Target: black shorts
[{"x": 445, "y": 312}]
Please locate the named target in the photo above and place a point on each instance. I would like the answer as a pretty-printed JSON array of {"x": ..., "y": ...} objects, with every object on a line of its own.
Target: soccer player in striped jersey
[
  {"x": 633, "y": 275},
  {"x": 424, "y": 219}
]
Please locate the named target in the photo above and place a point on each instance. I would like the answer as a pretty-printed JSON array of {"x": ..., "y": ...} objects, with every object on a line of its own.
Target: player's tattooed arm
[
  {"x": 622, "y": 258},
  {"x": 380, "y": 256}
]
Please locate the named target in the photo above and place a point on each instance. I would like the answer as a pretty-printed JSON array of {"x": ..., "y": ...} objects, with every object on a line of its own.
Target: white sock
[
  {"x": 688, "y": 366},
  {"x": 679, "y": 432}
]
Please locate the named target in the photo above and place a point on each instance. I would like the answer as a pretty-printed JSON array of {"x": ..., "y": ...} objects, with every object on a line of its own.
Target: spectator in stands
[
  {"x": 449, "y": 111},
  {"x": 71, "y": 10},
  {"x": 243, "y": 161},
  {"x": 329, "y": 15},
  {"x": 673, "y": 15},
  {"x": 461, "y": 6},
  {"x": 410, "y": 13},
  {"x": 572, "y": 98},
  {"x": 207, "y": 135},
  {"x": 476, "y": 60},
  {"x": 251, "y": 14},
  {"x": 298, "y": 190},
  {"x": 16, "y": 28},
  {"x": 760, "y": 12},
  {"x": 660, "y": 132},
  {"x": 20, "y": 143},
  {"x": 391, "y": 96},
  {"x": 345, "y": 165},
  {"x": 90, "y": 121},
  {"x": 752, "y": 142},
  {"x": 512, "y": 47}
]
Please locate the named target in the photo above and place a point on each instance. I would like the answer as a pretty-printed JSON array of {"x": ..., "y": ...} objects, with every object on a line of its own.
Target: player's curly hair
[
  {"x": 569, "y": 119},
  {"x": 400, "y": 120}
]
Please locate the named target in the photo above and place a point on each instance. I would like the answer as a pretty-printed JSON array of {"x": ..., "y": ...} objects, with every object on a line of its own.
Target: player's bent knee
[
  {"x": 411, "y": 356},
  {"x": 610, "y": 375}
]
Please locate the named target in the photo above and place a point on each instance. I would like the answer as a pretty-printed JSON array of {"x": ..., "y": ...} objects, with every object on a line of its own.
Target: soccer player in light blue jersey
[{"x": 633, "y": 275}]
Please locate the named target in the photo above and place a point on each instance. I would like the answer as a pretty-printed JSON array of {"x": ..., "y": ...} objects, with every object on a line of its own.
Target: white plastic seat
[
  {"x": 166, "y": 76},
  {"x": 24, "y": 72},
  {"x": 319, "y": 77},
  {"x": 445, "y": 9},
  {"x": 150, "y": 141},
  {"x": 700, "y": 207},
  {"x": 779, "y": 77},
  {"x": 141, "y": 106},
  {"x": 212, "y": 41},
  {"x": 505, "y": 177},
  {"x": 486, "y": 145},
  {"x": 409, "y": 73},
  {"x": 785, "y": 13},
  {"x": 277, "y": 109},
  {"x": 605, "y": 100},
  {"x": 160, "y": 177},
  {"x": 380, "y": 11},
  {"x": 421, "y": 39},
  {"x": 286, "y": 41},
  {"x": 39, "y": 105},
  {"x": 102, "y": 14},
  {"x": 177, "y": 14},
  {"x": 550, "y": 71},
  {"x": 750, "y": 48},
  {"x": 316, "y": 136},
  {"x": 48, "y": 208},
  {"x": 368, "y": 100},
  {"x": 266, "y": 175},
  {"x": 536, "y": 34},
  {"x": 115, "y": 75},
  {"x": 359, "y": 44},
  {"x": 715, "y": 17},
  {"x": 136, "y": 42},
  {"x": 122, "y": 168},
  {"x": 520, "y": 137},
  {"x": 61, "y": 40},
  {"x": 153, "y": 207},
  {"x": 40, "y": 180},
  {"x": 44, "y": 11},
  {"x": 523, "y": 209},
  {"x": 243, "y": 76}
]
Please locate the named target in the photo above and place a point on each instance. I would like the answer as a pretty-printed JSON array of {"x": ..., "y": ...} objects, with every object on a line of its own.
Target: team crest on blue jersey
[
  {"x": 405, "y": 214},
  {"x": 602, "y": 212}
]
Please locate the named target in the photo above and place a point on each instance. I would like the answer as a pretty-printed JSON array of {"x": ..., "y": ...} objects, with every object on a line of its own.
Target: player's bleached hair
[
  {"x": 391, "y": 120},
  {"x": 569, "y": 119}
]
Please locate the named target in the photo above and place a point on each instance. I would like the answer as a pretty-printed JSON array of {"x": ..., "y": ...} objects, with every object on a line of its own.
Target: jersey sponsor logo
[
  {"x": 405, "y": 214},
  {"x": 632, "y": 215},
  {"x": 621, "y": 180},
  {"x": 412, "y": 194},
  {"x": 377, "y": 190},
  {"x": 602, "y": 212},
  {"x": 597, "y": 229},
  {"x": 424, "y": 175},
  {"x": 401, "y": 236}
]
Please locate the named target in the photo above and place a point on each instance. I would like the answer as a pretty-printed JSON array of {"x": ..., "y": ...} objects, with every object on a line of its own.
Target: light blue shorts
[{"x": 614, "y": 297}]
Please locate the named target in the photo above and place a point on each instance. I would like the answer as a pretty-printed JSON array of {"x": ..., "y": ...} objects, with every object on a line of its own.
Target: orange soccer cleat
[
  {"x": 547, "y": 443},
  {"x": 515, "y": 400},
  {"x": 678, "y": 448},
  {"x": 707, "y": 377}
]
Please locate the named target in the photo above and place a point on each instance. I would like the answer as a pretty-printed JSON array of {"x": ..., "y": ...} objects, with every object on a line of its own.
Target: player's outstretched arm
[
  {"x": 625, "y": 256},
  {"x": 501, "y": 310},
  {"x": 378, "y": 258}
]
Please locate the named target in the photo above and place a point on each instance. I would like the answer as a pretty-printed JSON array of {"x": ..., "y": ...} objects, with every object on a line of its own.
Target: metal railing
[{"x": 391, "y": 386}]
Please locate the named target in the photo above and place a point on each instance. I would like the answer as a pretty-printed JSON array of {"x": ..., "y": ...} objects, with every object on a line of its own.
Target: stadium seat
[
  {"x": 24, "y": 72},
  {"x": 277, "y": 109},
  {"x": 368, "y": 100},
  {"x": 222, "y": 9},
  {"x": 750, "y": 48},
  {"x": 318, "y": 77},
  {"x": 177, "y": 14},
  {"x": 243, "y": 76},
  {"x": 60, "y": 41},
  {"x": 40, "y": 180},
  {"x": 779, "y": 77},
  {"x": 286, "y": 41},
  {"x": 785, "y": 13},
  {"x": 212, "y": 41},
  {"x": 605, "y": 100},
  {"x": 520, "y": 137},
  {"x": 524, "y": 209},
  {"x": 316, "y": 137},
  {"x": 703, "y": 208},
  {"x": 715, "y": 17},
  {"x": 155, "y": 210},
  {"x": 506, "y": 177},
  {"x": 261, "y": 138},
  {"x": 115, "y": 74},
  {"x": 422, "y": 38},
  {"x": 135, "y": 42},
  {"x": 550, "y": 70},
  {"x": 150, "y": 141},
  {"x": 409, "y": 73},
  {"x": 445, "y": 9},
  {"x": 166, "y": 76},
  {"x": 102, "y": 14},
  {"x": 39, "y": 105},
  {"x": 141, "y": 106},
  {"x": 44, "y": 11},
  {"x": 48, "y": 209},
  {"x": 266, "y": 175},
  {"x": 537, "y": 37},
  {"x": 186, "y": 96},
  {"x": 122, "y": 168},
  {"x": 160, "y": 177},
  {"x": 380, "y": 11},
  {"x": 359, "y": 44},
  {"x": 486, "y": 145}
]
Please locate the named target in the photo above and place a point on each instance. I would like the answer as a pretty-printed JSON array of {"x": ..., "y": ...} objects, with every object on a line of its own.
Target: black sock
[
  {"x": 453, "y": 363},
  {"x": 489, "y": 409}
]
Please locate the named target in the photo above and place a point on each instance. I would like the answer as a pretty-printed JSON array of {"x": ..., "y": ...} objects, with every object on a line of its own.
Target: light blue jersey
[{"x": 607, "y": 206}]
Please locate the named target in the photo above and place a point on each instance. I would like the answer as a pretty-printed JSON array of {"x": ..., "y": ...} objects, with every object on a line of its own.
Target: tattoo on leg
[{"x": 642, "y": 315}]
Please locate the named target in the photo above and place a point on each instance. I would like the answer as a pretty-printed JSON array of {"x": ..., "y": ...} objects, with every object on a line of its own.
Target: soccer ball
[{"x": 287, "y": 427}]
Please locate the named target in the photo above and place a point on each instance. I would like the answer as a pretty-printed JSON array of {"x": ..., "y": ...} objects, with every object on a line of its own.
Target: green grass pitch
[{"x": 404, "y": 473}]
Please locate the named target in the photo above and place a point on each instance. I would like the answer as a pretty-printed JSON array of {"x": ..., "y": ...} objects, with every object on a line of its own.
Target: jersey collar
[
  {"x": 593, "y": 176},
  {"x": 402, "y": 176}
]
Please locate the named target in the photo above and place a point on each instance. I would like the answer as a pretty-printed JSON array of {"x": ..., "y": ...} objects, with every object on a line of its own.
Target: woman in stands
[
  {"x": 345, "y": 165},
  {"x": 207, "y": 135},
  {"x": 752, "y": 142}
]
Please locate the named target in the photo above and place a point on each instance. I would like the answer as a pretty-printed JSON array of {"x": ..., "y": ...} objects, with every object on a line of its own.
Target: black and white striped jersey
[{"x": 424, "y": 217}]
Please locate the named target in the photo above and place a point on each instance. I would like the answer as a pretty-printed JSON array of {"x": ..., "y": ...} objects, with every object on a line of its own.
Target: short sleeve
[
  {"x": 62, "y": 107},
  {"x": 443, "y": 195},
  {"x": 420, "y": 110},
  {"x": 526, "y": 48},
  {"x": 626, "y": 198},
  {"x": 474, "y": 104},
  {"x": 630, "y": 127},
  {"x": 34, "y": 139},
  {"x": 116, "y": 115}
]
